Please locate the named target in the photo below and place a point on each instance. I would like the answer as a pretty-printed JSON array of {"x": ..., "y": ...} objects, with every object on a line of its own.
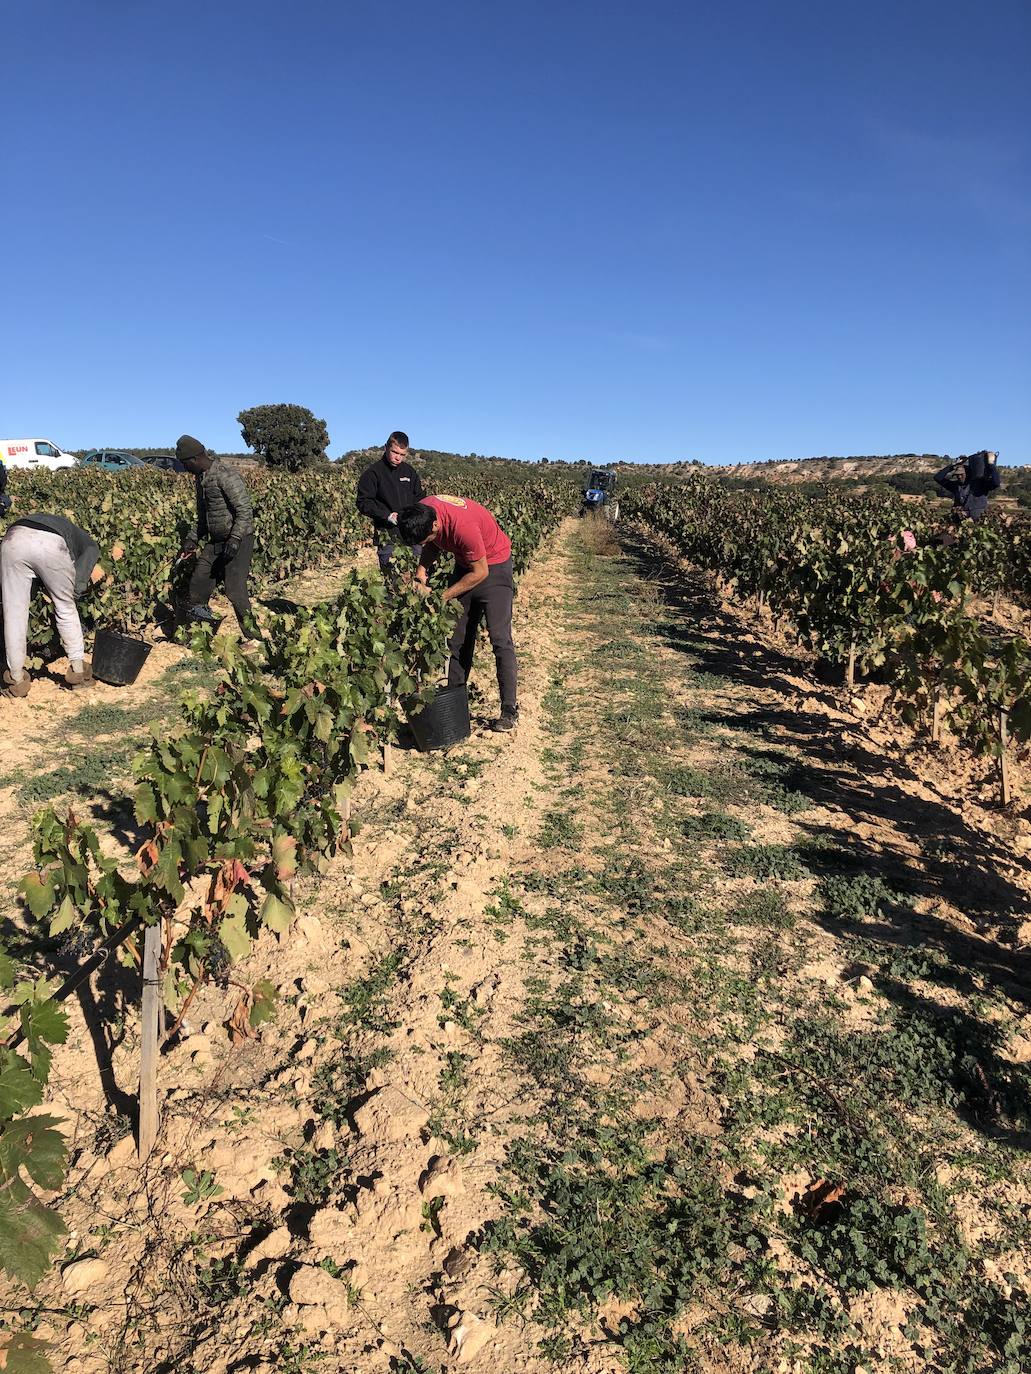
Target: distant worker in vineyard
[
  {"x": 64, "y": 558},
  {"x": 387, "y": 487},
  {"x": 224, "y": 536},
  {"x": 970, "y": 481},
  {"x": 481, "y": 583}
]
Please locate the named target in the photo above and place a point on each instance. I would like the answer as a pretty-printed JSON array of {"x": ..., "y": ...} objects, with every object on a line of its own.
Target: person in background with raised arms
[
  {"x": 970, "y": 481},
  {"x": 481, "y": 584},
  {"x": 224, "y": 536},
  {"x": 64, "y": 558},
  {"x": 387, "y": 487}
]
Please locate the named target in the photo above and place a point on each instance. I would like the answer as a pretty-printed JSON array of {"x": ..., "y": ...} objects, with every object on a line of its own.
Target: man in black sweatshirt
[{"x": 385, "y": 489}]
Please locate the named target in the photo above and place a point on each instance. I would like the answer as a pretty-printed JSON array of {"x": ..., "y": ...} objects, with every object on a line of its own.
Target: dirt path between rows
[
  {"x": 594, "y": 1055},
  {"x": 317, "y": 1136}
]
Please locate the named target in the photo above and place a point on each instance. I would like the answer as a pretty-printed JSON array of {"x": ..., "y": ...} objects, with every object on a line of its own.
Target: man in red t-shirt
[{"x": 481, "y": 583}]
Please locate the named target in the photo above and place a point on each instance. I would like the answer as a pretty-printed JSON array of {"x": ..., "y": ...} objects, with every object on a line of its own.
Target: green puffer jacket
[{"x": 223, "y": 505}]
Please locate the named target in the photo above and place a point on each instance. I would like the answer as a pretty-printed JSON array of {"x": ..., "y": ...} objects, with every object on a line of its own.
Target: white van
[{"x": 34, "y": 453}]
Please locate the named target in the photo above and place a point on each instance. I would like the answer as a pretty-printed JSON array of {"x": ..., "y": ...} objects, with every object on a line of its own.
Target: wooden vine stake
[
  {"x": 850, "y": 675},
  {"x": 1004, "y": 763},
  {"x": 149, "y": 1041},
  {"x": 936, "y": 717}
]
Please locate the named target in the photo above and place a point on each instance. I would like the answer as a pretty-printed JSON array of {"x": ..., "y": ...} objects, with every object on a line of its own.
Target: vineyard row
[
  {"x": 249, "y": 788},
  {"x": 875, "y": 586}
]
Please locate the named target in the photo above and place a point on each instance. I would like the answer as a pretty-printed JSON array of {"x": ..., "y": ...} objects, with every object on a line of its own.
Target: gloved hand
[
  {"x": 230, "y": 549},
  {"x": 190, "y": 545}
]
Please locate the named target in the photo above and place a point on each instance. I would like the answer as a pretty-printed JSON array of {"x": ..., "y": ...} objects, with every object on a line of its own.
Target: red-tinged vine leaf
[
  {"x": 223, "y": 884},
  {"x": 39, "y": 894},
  {"x": 277, "y": 914},
  {"x": 284, "y": 856},
  {"x": 822, "y": 1200},
  {"x": 239, "y": 1023},
  {"x": 21, "y": 1353},
  {"x": 147, "y": 855}
]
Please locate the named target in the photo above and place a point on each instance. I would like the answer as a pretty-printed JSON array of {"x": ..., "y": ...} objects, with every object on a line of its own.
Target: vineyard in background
[
  {"x": 877, "y": 586},
  {"x": 139, "y": 519},
  {"x": 247, "y": 789}
]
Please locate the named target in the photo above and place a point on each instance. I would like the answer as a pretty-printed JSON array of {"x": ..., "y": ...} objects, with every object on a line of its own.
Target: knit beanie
[{"x": 189, "y": 447}]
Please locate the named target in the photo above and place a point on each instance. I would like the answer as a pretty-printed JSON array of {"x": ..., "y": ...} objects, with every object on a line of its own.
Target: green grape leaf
[
  {"x": 44, "y": 1023},
  {"x": 276, "y": 914},
  {"x": 263, "y": 1005},
  {"x": 30, "y": 1233},
  {"x": 31, "y": 1143},
  {"x": 21, "y": 1353},
  {"x": 232, "y": 931},
  {"x": 146, "y": 804},
  {"x": 39, "y": 894},
  {"x": 64, "y": 918},
  {"x": 18, "y": 1089}
]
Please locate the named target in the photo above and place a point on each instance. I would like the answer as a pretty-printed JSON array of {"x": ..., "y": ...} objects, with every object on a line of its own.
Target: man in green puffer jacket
[{"x": 224, "y": 534}]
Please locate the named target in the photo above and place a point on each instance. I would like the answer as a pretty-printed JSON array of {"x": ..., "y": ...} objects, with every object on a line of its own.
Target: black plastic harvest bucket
[
  {"x": 118, "y": 658},
  {"x": 443, "y": 721}
]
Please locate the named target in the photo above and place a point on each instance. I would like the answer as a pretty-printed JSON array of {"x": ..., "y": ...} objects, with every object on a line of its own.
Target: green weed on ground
[{"x": 803, "y": 1172}]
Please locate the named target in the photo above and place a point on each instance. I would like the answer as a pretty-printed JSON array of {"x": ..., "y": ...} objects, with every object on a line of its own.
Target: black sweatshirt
[
  {"x": 970, "y": 496},
  {"x": 383, "y": 489}
]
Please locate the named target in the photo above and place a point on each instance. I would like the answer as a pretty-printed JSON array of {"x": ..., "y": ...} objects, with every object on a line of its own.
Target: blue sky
[{"x": 725, "y": 231}]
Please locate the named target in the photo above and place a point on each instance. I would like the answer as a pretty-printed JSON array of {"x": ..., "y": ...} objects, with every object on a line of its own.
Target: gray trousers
[
  {"x": 490, "y": 601},
  {"x": 25, "y": 554}
]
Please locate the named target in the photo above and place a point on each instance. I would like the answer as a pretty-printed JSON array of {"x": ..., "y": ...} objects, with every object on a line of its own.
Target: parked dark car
[
  {"x": 166, "y": 461},
  {"x": 110, "y": 459}
]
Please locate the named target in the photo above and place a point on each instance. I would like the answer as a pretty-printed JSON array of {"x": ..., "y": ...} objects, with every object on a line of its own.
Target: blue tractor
[{"x": 600, "y": 496}]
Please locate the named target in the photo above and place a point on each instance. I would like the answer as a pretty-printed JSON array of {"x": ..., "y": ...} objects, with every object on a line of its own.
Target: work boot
[
  {"x": 16, "y": 687},
  {"x": 205, "y": 615},
  {"x": 508, "y": 720},
  {"x": 81, "y": 676}
]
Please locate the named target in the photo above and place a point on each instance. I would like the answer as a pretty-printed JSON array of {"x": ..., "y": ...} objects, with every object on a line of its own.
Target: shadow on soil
[{"x": 958, "y": 863}]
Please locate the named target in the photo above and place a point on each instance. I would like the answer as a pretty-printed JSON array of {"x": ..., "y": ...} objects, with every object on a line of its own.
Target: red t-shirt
[{"x": 468, "y": 530}]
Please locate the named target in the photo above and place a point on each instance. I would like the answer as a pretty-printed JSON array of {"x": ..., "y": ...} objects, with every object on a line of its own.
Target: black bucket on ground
[
  {"x": 118, "y": 658},
  {"x": 443, "y": 721}
]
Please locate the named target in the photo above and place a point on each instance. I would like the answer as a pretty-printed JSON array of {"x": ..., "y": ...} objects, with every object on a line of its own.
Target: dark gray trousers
[
  {"x": 490, "y": 601},
  {"x": 212, "y": 566}
]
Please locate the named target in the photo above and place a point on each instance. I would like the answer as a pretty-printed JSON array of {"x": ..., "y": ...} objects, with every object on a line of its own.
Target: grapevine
[
  {"x": 874, "y": 586},
  {"x": 249, "y": 787}
]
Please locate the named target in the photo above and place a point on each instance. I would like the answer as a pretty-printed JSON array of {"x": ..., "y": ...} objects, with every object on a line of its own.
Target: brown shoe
[
  {"x": 83, "y": 679},
  {"x": 16, "y": 689}
]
